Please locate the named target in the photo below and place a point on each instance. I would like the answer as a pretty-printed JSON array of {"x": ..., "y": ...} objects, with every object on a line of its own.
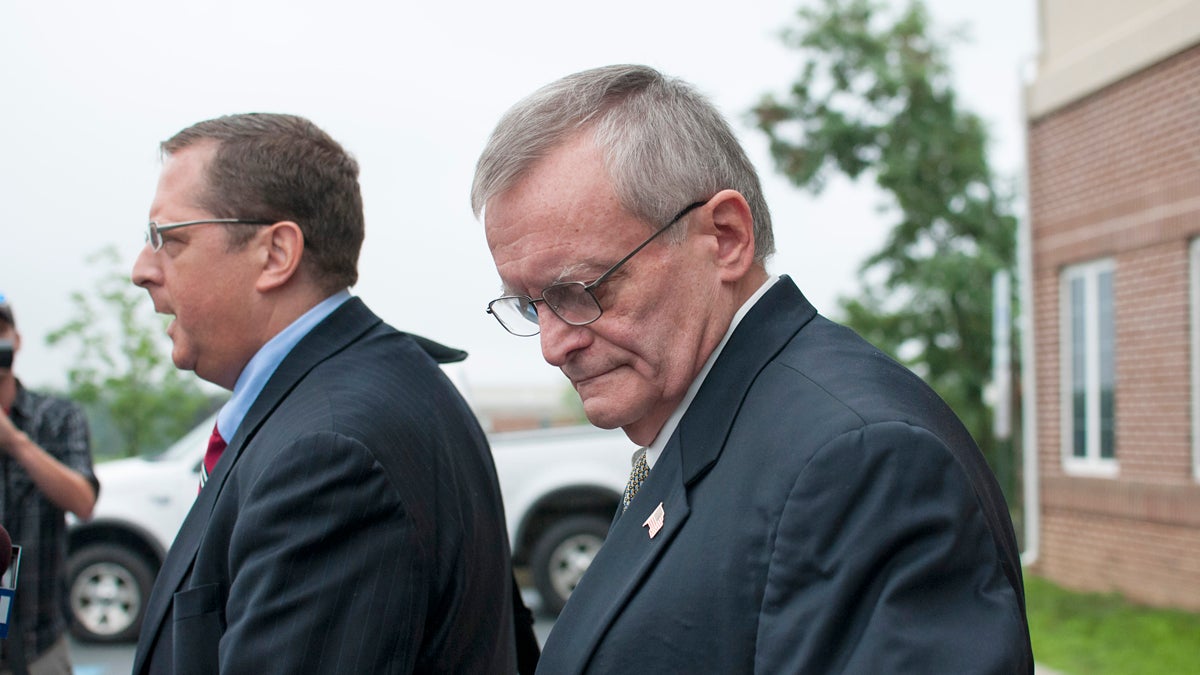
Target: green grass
[{"x": 1095, "y": 634}]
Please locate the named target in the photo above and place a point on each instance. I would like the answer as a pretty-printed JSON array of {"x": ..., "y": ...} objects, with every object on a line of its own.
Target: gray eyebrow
[{"x": 564, "y": 275}]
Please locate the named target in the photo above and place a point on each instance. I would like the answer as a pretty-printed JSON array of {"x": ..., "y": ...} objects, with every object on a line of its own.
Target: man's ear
[
  {"x": 283, "y": 244},
  {"x": 733, "y": 227}
]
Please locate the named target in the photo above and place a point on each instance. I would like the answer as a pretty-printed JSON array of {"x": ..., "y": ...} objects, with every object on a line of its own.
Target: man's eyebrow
[
  {"x": 570, "y": 273},
  {"x": 574, "y": 270},
  {"x": 585, "y": 272}
]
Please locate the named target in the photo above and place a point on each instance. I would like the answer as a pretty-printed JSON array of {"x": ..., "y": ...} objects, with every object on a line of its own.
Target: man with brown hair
[{"x": 351, "y": 520}]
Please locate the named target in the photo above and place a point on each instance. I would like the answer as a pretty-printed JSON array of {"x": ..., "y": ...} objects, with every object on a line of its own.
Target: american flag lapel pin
[{"x": 655, "y": 521}]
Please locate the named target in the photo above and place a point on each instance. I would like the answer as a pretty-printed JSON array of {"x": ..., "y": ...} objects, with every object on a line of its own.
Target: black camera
[{"x": 6, "y": 353}]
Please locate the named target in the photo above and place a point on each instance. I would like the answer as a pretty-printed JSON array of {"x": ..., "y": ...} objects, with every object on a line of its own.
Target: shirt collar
[
  {"x": 660, "y": 441},
  {"x": 260, "y": 368}
]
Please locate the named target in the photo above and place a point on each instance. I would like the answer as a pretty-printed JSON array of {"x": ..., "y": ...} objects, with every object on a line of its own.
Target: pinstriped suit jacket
[
  {"x": 823, "y": 512},
  {"x": 353, "y": 525}
]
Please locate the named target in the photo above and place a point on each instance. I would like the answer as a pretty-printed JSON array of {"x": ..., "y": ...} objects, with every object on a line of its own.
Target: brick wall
[{"x": 1117, "y": 175}]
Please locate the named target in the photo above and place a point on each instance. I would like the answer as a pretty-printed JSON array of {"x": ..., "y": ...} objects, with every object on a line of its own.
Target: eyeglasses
[
  {"x": 572, "y": 301},
  {"x": 154, "y": 230}
]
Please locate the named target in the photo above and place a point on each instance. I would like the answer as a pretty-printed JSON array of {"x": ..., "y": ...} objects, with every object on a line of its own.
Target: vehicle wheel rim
[
  {"x": 105, "y": 599},
  {"x": 570, "y": 560}
]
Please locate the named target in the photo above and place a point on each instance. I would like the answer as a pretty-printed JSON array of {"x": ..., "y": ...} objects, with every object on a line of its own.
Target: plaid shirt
[{"x": 35, "y": 523}]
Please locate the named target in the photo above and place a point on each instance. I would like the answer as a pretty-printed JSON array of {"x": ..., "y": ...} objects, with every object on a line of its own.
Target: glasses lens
[
  {"x": 517, "y": 314},
  {"x": 572, "y": 302},
  {"x": 153, "y": 236}
]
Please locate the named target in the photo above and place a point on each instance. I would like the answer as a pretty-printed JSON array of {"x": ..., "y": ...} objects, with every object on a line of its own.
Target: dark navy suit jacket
[
  {"x": 823, "y": 512},
  {"x": 353, "y": 525}
]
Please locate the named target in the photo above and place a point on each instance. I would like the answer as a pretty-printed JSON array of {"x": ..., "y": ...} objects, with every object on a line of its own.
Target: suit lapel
[
  {"x": 340, "y": 329},
  {"x": 175, "y": 568},
  {"x": 628, "y": 555},
  {"x": 762, "y": 334}
]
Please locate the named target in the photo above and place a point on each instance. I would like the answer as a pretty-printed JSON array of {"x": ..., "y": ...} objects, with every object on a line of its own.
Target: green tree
[
  {"x": 874, "y": 98},
  {"x": 121, "y": 368}
]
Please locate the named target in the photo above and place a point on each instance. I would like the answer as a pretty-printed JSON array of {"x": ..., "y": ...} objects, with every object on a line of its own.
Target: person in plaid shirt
[{"x": 45, "y": 471}]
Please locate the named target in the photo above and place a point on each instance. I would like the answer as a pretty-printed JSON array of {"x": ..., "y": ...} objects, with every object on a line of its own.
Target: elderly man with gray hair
[{"x": 802, "y": 503}]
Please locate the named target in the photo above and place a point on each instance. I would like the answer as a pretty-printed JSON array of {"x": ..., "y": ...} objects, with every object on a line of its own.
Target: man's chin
[
  {"x": 183, "y": 360},
  {"x": 637, "y": 421},
  {"x": 603, "y": 414}
]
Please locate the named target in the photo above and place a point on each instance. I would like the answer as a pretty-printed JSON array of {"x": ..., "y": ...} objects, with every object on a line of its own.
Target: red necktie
[{"x": 216, "y": 445}]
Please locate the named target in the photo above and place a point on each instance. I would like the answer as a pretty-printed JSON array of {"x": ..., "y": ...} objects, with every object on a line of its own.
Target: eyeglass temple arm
[{"x": 679, "y": 216}]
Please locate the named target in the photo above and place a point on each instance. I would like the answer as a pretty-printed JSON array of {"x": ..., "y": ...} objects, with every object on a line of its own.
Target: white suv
[{"x": 560, "y": 487}]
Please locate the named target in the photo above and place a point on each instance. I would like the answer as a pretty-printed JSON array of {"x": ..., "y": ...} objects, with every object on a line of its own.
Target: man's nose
[
  {"x": 559, "y": 338},
  {"x": 145, "y": 268}
]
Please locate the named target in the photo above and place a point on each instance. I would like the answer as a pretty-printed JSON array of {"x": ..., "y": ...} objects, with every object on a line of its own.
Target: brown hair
[{"x": 283, "y": 167}]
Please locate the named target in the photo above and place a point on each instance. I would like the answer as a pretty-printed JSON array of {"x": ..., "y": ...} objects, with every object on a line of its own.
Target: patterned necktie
[
  {"x": 216, "y": 445},
  {"x": 636, "y": 477}
]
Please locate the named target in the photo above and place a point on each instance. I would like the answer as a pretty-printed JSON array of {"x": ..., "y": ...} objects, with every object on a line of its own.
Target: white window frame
[
  {"x": 1091, "y": 464},
  {"x": 1195, "y": 311}
]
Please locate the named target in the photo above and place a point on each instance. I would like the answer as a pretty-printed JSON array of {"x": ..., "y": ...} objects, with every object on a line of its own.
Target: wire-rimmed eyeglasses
[
  {"x": 154, "y": 230},
  {"x": 572, "y": 301}
]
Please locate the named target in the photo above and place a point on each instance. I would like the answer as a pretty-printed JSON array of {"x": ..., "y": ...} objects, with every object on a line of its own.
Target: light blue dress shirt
[{"x": 260, "y": 368}]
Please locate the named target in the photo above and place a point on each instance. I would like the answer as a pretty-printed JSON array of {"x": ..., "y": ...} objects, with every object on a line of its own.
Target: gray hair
[{"x": 665, "y": 144}]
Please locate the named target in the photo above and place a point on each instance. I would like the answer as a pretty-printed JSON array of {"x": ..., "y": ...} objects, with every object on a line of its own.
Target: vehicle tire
[
  {"x": 107, "y": 589},
  {"x": 562, "y": 554}
]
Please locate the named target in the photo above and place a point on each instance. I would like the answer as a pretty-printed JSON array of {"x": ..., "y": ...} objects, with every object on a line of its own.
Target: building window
[
  {"x": 1089, "y": 369},
  {"x": 1195, "y": 265}
]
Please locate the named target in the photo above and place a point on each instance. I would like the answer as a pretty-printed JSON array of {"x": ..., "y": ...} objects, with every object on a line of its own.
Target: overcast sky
[{"x": 412, "y": 90}]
